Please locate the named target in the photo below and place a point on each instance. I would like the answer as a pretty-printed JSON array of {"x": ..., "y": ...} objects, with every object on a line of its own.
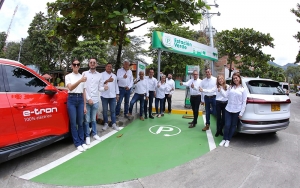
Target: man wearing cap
[
  {"x": 125, "y": 82},
  {"x": 152, "y": 82}
]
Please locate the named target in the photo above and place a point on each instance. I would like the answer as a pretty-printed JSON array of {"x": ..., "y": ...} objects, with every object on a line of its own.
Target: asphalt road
[{"x": 267, "y": 160}]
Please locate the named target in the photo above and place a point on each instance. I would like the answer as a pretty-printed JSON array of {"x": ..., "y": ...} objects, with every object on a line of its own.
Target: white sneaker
[
  {"x": 105, "y": 126},
  {"x": 85, "y": 147},
  {"x": 88, "y": 140},
  {"x": 227, "y": 143},
  {"x": 114, "y": 126},
  {"x": 222, "y": 143},
  {"x": 96, "y": 137},
  {"x": 80, "y": 148}
]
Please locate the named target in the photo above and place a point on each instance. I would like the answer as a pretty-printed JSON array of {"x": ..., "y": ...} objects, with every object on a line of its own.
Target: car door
[
  {"x": 8, "y": 133},
  {"x": 35, "y": 114}
]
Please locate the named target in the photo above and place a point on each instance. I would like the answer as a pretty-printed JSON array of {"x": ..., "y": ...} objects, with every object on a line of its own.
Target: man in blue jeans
[
  {"x": 141, "y": 93},
  {"x": 91, "y": 94},
  {"x": 109, "y": 96},
  {"x": 125, "y": 83},
  {"x": 208, "y": 88}
]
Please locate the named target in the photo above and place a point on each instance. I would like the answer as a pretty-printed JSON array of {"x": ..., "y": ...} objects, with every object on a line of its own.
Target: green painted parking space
[{"x": 145, "y": 148}]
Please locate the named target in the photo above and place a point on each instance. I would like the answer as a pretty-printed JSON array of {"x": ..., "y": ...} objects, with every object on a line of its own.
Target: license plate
[{"x": 275, "y": 107}]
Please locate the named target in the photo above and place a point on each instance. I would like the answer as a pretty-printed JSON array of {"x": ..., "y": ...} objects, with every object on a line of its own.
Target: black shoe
[
  {"x": 217, "y": 134},
  {"x": 125, "y": 116},
  {"x": 151, "y": 117},
  {"x": 190, "y": 122},
  {"x": 146, "y": 117},
  {"x": 192, "y": 125}
]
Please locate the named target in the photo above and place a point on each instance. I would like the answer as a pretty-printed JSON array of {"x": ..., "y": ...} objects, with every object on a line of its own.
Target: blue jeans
[
  {"x": 231, "y": 122},
  {"x": 137, "y": 97},
  {"x": 161, "y": 105},
  {"x": 220, "y": 110},
  {"x": 150, "y": 100},
  {"x": 75, "y": 106},
  {"x": 112, "y": 106},
  {"x": 210, "y": 102},
  {"x": 123, "y": 94},
  {"x": 90, "y": 117}
]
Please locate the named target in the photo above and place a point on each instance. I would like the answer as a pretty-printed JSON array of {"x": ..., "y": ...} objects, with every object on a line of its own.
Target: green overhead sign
[{"x": 175, "y": 44}]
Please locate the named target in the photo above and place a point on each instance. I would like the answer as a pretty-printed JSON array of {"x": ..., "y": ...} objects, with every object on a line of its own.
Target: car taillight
[{"x": 262, "y": 101}]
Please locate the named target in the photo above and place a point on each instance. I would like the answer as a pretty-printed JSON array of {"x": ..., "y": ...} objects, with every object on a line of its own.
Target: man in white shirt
[
  {"x": 171, "y": 85},
  {"x": 208, "y": 89},
  {"x": 141, "y": 92},
  {"x": 109, "y": 96},
  {"x": 125, "y": 82},
  {"x": 91, "y": 94},
  {"x": 195, "y": 96},
  {"x": 152, "y": 82}
]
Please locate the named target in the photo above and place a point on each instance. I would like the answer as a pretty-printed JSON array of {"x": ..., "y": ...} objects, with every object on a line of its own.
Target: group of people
[
  {"x": 83, "y": 98},
  {"x": 227, "y": 102}
]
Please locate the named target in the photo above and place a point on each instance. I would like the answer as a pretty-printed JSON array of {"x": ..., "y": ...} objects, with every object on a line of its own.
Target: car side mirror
[{"x": 50, "y": 90}]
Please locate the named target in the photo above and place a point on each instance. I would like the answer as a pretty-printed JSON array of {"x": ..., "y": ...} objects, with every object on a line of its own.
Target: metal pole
[
  {"x": 211, "y": 40},
  {"x": 158, "y": 63},
  {"x": 21, "y": 43}
]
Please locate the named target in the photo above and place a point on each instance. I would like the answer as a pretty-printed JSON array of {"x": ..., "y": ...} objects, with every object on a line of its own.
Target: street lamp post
[{"x": 21, "y": 43}]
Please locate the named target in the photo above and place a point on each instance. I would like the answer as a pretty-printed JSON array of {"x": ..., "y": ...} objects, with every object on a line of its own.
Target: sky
[{"x": 266, "y": 16}]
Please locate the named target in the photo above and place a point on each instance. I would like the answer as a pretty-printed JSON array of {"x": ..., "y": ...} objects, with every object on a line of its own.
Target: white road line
[
  {"x": 63, "y": 159},
  {"x": 210, "y": 138}
]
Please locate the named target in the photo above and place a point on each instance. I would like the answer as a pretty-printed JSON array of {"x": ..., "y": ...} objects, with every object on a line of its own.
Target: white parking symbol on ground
[{"x": 166, "y": 130}]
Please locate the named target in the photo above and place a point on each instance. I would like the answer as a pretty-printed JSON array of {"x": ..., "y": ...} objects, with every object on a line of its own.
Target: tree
[
  {"x": 90, "y": 47},
  {"x": 112, "y": 19},
  {"x": 293, "y": 73},
  {"x": 297, "y": 36},
  {"x": 245, "y": 43},
  {"x": 275, "y": 73},
  {"x": 132, "y": 52},
  {"x": 172, "y": 62},
  {"x": 2, "y": 43},
  {"x": 46, "y": 51}
]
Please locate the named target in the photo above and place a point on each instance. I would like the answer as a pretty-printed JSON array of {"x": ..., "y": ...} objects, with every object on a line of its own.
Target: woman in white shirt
[
  {"x": 235, "y": 108},
  {"x": 161, "y": 89},
  {"x": 221, "y": 103},
  {"x": 76, "y": 105}
]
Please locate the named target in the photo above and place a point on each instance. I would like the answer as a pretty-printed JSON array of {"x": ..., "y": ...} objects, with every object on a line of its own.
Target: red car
[{"x": 33, "y": 112}]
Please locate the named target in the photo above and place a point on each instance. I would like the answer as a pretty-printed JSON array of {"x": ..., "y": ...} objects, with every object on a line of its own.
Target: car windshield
[{"x": 265, "y": 87}]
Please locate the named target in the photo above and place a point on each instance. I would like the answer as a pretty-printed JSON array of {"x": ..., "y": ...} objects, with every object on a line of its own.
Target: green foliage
[
  {"x": 112, "y": 19},
  {"x": 247, "y": 44},
  {"x": 90, "y": 47},
  {"x": 297, "y": 36},
  {"x": 2, "y": 43},
  {"x": 293, "y": 74},
  {"x": 131, "y": 52},
  {"x": 172, "y": 62}
]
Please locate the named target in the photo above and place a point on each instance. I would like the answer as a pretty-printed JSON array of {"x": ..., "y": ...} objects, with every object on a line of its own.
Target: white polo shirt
[{"x": 72, "y": 78}]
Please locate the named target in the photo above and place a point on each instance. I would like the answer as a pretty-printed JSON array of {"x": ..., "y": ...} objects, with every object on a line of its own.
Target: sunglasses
[{"x": 76, "y": 64}]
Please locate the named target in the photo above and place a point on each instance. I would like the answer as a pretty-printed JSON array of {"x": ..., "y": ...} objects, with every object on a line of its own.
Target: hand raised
[
  {"x": 125, "y": 76},
  {"x": 192, "y": 86},
  {"x": 111, "y": 79},
  {"x": 83, "y": 78}
]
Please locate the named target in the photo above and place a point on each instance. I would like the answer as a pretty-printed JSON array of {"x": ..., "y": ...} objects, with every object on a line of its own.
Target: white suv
[{"x": 268, "y": 107}]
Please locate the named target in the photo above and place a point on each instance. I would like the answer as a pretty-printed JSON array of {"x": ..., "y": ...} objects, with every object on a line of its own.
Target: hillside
[{"x": 284, "y": 67}]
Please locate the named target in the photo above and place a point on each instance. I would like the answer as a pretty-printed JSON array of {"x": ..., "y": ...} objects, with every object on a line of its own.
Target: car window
[
  {"x": 21, "y": 80},
  {"x": 265, "y": 87},
  {"x": 1, "y": 80}
]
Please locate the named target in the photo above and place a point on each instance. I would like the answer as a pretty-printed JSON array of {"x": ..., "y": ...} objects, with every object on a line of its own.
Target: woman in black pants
[{"x": 221, "y": 103}]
